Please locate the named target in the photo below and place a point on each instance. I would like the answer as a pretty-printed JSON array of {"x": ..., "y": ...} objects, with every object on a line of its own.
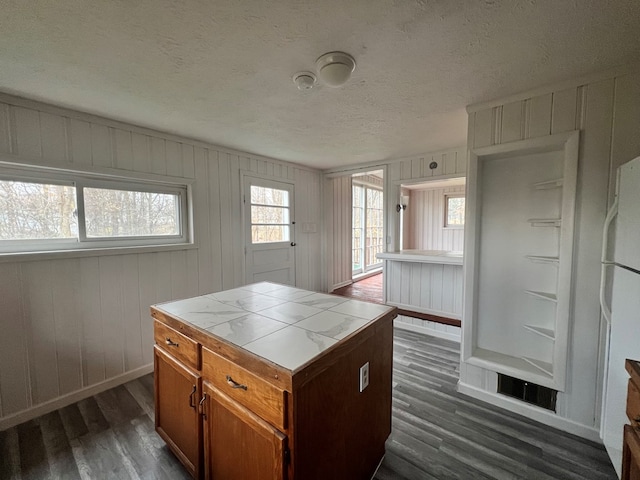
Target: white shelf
[
  {"x": 545, "y": 222},
  {"x": 524, "y": 368},
  {"x": 544, "y": 367},
  {"x": 543, "y": 295},
  {"x": 543, "y": 259},
  {"x": 549, "y": 184},
  {"x": 545, "y": 332}
]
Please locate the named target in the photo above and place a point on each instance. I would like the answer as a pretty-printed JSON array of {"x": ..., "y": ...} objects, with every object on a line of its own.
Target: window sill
[{"x": 92, "y": 252}]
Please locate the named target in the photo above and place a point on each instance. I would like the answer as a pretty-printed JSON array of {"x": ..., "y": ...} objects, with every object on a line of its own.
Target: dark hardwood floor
[
  {"x": 368, "y": 289},
  {"x": 437, "y": 433}
]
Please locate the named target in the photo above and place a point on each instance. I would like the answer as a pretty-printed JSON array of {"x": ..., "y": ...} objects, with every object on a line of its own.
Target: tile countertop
[{"x": 285, "y": 325}]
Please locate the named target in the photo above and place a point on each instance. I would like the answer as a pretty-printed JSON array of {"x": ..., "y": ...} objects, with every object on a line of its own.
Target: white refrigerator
[{"x": 623, "y": 315}]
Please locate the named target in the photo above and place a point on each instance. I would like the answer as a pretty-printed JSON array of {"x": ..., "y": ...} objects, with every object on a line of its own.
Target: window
[
  {"x": 367, "y": 227},
  {"x": 454, "y": 211},
  {"x": 270, "y": 210},
  {"x": 44, "y": 211}
]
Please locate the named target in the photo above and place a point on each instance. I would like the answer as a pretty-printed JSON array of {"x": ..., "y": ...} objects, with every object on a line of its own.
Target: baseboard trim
[
  {"x": 70, "y": 398},
  {"x": 530, "y": 411},
  {"x": 340, "y": 285},
  {"x": 427, "y": 331}
]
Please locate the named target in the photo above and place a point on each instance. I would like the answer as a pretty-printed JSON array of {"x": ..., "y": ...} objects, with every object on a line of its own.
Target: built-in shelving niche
[{"x": 519, "y": 249}]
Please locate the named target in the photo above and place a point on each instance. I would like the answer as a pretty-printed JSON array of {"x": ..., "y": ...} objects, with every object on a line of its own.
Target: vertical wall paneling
[
  {"x": 40, "y": 324},
  {"x": 141, "y": 152},
  {"x": 174, "y": 159},
  {"x": 539, "y": 118},
  {"x": 27, "y": 129},
  {"x": 512, "y": 122},
  {"x": 80, "y": 141},
  {"x": 188, "y": 164},
  {"x": 235, "y": 204},
  {"x": 626, "y": 124},
  {"x": 226, "y": 219},
  {"x": 483, "y": 132},
  {"x": 131, "y": 313},
  {"x": 14, "y": 365},
  {"x": 148, "y": 295},
  {"x": 65, "y": 289},
  {"x": 123, "y": 149},
  {"x": 5, "y": 136},
  {"x": 563, "y": 113},
  {"x": 592, "y": 196},
  {"x": 205, "y": 213},
  {"x": 157, "y": 154},
  {"x": 101, "y": 144},
  {"x": 54, "y": 137},
  {"x": 92, "y": 351},
  {"x": 112, "y": 313}
]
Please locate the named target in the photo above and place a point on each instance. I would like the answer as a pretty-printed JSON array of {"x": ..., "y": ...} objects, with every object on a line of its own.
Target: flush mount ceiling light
[
  {"x": 335, "y": 68},
  {"x": 304, "y": 80}
]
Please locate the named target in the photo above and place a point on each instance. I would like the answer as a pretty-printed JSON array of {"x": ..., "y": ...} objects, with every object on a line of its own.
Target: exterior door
[{"x": 269, "y": 231}]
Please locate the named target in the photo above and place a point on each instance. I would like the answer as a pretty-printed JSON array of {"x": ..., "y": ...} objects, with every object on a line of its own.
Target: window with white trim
[
  {"x": 49, "y": 211},
  {"x": 454, "y": 211}
]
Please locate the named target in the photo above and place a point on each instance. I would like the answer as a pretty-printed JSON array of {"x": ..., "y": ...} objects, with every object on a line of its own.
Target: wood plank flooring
[
  {"x": 437, "y": 433},
  {"x": 368, "y": 289}
]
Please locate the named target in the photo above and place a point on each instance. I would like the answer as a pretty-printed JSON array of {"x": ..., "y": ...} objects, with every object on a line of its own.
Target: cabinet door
[
  {"x": 631, "y": 454},
  {"x": 177, "y": 391},
  {"x": 238, "y": 443}
]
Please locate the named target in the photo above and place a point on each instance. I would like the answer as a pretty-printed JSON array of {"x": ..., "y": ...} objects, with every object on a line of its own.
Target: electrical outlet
[{"x": 364, "y": 376}]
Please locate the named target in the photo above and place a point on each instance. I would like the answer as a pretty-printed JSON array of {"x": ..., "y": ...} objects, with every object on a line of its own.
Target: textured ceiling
[{"x": 220, "y": 71}]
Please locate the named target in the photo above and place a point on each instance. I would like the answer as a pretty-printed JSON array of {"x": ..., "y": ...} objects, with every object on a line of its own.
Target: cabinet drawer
[
  {"x": 259, "y": 396},
  {"x": 180, "y": 346},
  {"x": 633, "y": 404}
]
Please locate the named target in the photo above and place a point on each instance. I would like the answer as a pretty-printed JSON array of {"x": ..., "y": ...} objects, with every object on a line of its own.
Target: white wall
[
  {"x": 75, "y": 324},
  {"x": 425, "y": 218},
  {"x": 338, "y": 220},
  {"x": 606, "y": 110}
]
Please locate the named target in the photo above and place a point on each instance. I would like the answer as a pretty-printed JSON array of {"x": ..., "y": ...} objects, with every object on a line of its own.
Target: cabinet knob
[{"x": 234, "y": 384}]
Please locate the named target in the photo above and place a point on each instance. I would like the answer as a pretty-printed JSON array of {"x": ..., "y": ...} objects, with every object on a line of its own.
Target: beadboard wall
[
  {"x": 607, "y": 113},
  {"x": 75, "y": 324},
  {"x": 338, "y": 220},
  {"x": 425, "y": 218}
]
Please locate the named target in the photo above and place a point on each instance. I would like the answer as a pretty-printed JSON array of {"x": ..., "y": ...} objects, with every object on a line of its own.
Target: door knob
[{"x": 293, "y": 244}]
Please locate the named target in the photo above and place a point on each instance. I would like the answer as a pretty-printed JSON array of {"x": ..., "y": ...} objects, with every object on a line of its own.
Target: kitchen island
[
  {"x": 272, "y": 382},
  {"x": 427, "y": 282}
]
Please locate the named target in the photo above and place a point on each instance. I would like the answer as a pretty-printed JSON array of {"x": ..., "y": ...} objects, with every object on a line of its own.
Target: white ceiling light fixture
[
  {"x": 335, "y": 68},
  {"x": 304, "y": 80}
]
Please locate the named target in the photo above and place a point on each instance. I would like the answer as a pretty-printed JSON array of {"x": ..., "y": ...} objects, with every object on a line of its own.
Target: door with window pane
[
  {"x": 367, "y": 228},
  {"x": 269, "y": 231}
]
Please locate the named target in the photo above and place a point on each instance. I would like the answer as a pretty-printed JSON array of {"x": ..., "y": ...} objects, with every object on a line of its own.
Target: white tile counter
[{"x": 285, "y": 325}]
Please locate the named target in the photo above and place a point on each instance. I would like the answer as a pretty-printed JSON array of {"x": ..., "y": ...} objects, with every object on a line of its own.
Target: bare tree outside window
[
  {"x": 39, "y": 211},
  {"x": 454, "y": 211},
  {"x": 270, "y": 215}
]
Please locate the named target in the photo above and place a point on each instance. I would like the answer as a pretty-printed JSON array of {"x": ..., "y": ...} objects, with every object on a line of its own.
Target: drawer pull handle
[
  {"x": 171, "y": 343},
  {"x": 234, "y": 384},
  {"x": 191, "y": 402}
]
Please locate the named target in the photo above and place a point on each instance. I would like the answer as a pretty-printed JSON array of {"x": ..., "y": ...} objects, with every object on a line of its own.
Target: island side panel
[{"x": 340, "y": 431}]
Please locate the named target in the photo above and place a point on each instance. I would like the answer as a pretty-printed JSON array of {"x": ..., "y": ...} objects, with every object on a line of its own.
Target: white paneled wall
[
  {"x": 450, "y": 163},
  {"x": 607, "y": 113},
  {"x": 73, "y": 325},
  {"x": 338, "y": 218},
  {"x": 425, "y": 218}
]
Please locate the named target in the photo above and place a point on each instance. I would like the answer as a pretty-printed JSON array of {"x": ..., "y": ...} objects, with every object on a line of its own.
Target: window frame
[
  {"x": 80, "y": 180},
  {"x": 364, "y": 268},
  {"x": 447, "y": 197}
]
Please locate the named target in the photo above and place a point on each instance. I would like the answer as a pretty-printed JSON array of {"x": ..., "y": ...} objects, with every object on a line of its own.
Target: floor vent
[{"x": 527, "y": 392}]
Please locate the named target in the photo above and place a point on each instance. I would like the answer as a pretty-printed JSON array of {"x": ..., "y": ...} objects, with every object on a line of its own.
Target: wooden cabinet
[
  {"x": 631, "y": 445},
  {"x": 227, "y": 421},
  {"x": 228, "y": 413},
  {"x": 177, "y": 393}
]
